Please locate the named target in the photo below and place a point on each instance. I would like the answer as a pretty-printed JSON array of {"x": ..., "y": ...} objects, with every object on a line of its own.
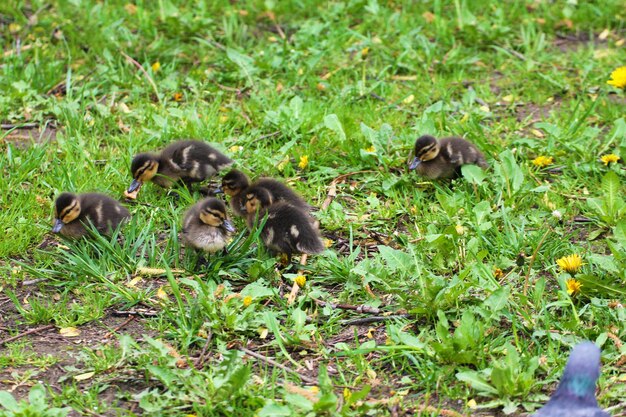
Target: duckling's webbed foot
[
  {"x": 284, "y": 261},
  {"x": 202, "y": 261}
]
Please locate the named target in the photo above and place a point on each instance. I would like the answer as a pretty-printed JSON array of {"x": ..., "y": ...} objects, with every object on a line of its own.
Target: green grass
[{"x": 268, "y": 83}]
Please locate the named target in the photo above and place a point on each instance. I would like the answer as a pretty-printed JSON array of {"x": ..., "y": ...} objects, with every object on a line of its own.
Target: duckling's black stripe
[
  {"x": 216, "y": 213},
  {"x": 143, "y": 169},
  {"x": 426, "y": 149},
  {"x": 67, "y": 210}
]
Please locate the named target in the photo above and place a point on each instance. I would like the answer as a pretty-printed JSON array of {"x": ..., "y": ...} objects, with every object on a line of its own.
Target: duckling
[
  {"x": 288, "y": 229},
  {"x": 186, "y": 160},
  {"x": 443, "y": 159},
  {"x": 233, "y": 185},
  {"x": 206, "y": 226},
  {"x": 74, "y": 212},
  {"x": 236, "y": 182}
]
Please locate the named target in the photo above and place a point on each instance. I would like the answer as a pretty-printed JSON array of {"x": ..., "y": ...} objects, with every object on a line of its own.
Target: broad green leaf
[
  {"x": 597, "y": 284},
  {"x": 395, "y": 259},
  {"x": 244, "y": 62},
  {"x": 369, "y": 133},
  {"x": 498, "y": 299},
  {"x": 477, "y": 382},
  {"x": 37, "y": 396},
  {"x": 611, "y": 194},
  {"x": 606, "y": 263},
  {"x": 275, "y": 410},
  {"x": 409, "y": 340},
  {"x": 7, "y": 401},
  {"x": 332, "y": 122},
  {"x": 295, "y": 105},
  {"x": 165, "y": 375},
  {"x": 482, "y": 210},
  {"x": 619, "y": 232},
  {"x": 473, "y": 174},
  {"x": 597, "y": 205},
  {"x": 509, "y": 172},
  {"x": 257, "y": 289}
]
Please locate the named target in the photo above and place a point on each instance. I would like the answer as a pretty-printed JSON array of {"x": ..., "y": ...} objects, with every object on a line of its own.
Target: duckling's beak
[
  {"x": 58, "y": 224},
  {"x": 228, "y": 226},
  {"x": 134, "y": 186},
  {"x": 415, "y": 163},
  {"x": 218, "y": 190}
]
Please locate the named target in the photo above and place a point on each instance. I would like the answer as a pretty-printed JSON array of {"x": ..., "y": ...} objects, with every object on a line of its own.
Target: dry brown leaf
[
  {"x": 404, "y": 77},
  {"x": 85, "y": 376},
  {"x": 310, "y": 394},
  {"x": 428, "y": 16},
  {"x": 537, "y": 133},
  {"x": 130, "y": 8},
  {"x": 133, "y": 195},
  {"x": 69, "y": 332},
  {"x": 604, "y": 34},
  {"x": 133, "y": 282}
]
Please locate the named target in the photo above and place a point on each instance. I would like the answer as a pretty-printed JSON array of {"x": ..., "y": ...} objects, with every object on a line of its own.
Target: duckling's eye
[
  {"x": 426, "y": 149},
  {"x": 68, "y": 210},
  {"x": 145, "y": 167}
]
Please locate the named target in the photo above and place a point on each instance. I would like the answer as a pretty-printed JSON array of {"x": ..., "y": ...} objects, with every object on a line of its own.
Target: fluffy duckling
[
  {"x": 74, "y": 212},
  {"x": 206, "y": 226},
  {"x": 288, "y": 229},
  {"x": 233, "y": 185},
  {"x": 237, "y": 185},
  {"x": 443, "y": 159},
  {"x": 186, "y": 160}
]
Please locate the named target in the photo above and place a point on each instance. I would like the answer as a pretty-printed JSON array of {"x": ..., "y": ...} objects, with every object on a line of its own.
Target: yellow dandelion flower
[
  {"x": 571, "y": 263},
  {"x": 573, "y": 286},
  {"x": 161, "y": 294},
  {"x": 607, "y": 159},
  {"x": 177, "y": 96},
  {"x": 543, "y": 161},
  {"x": 236, "y": 148},
  {"x": 247, "y": 300},
  {"x": 304, "y": 161},
  {"x": 347, "y": 393},
  {"x": 156, "y": 66},
  {"x": 301, "y": 281},
  {"x": 328, "y": 243},
  {"x": 497, "y": 273},
  {"x": 371, "y": 149},
  {"x": 618, "y": 78}
]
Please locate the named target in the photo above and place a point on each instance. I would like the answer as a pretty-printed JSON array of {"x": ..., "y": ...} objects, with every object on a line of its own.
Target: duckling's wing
[
  {"x": 282, "y": 192},
  {"x": 192, "y": 153}
]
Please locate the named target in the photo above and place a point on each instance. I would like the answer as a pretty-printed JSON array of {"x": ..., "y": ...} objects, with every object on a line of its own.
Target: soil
[{"x": 23, "y": 137}]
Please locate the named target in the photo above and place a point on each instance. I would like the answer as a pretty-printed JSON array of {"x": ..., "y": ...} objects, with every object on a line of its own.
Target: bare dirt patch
[
  {"x": 24, "y": 136},
  {"x": 567, "y": 42},
  {"x": 65, "y": 351}
]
